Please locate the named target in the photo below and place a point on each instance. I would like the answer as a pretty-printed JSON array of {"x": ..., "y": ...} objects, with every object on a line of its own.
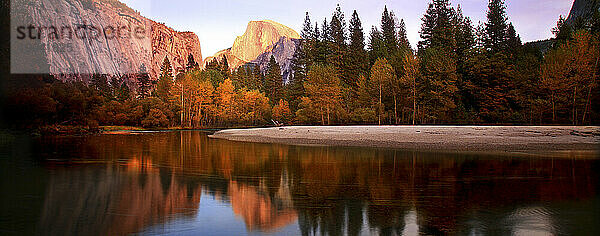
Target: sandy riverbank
[{"x": 448, "y": 138}]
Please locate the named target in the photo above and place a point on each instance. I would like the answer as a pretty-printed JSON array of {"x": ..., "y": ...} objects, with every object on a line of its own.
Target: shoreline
[{"x": 502, "y": 139}]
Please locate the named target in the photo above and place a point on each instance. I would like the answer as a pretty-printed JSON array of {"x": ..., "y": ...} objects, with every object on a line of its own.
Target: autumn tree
[
  {"x": 225, "y": 101},
  {"x": 438, "y": 69},
  {"x": 281, "y": 111},
  {"x": 381, "y": 73},
  {"x": 255, "y": 106},
  {"x": 409, "y": 80},
  {"x": 201, "y": 98},
  {"x": 365, "y": 111},
  {"x": 571, "y": 72},
  {"x": 322, "y": 86}
]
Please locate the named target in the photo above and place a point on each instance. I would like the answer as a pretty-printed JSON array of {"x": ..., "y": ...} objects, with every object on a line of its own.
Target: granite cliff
[
  {"x": 283, "y": 51},
  {"x": 80, "y": 37},
  {"x": 175, "y": 45},
  {"x": 583, "y": 9}
]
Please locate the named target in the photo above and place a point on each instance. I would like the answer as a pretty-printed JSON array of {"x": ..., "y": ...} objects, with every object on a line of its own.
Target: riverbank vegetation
[{"x": 460, "y": 73}]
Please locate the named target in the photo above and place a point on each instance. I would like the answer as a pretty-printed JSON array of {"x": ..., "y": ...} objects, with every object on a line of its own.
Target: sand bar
[{"x": 448, "y": 138}]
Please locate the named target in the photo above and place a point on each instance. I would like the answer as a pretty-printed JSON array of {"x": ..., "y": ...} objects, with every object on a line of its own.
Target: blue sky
[{"x": 218, "y": 22}]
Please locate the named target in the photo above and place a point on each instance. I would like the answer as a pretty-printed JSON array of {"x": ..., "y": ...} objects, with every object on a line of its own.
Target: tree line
[{"x": 459, "y": 73}]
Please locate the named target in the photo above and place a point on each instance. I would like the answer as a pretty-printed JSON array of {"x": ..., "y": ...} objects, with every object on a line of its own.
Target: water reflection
[{"x": 186, "y": 183}]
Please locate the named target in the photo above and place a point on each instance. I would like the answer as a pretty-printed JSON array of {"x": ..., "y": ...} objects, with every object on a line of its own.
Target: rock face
[
  {"x": 120, "y": 43},
  {"x": 167, "y": 42},
  {"x": 283, "y": 51},
  {"x": 261, "y": 40},
  {"x": 259, "y": 37},
  {"x": 583, "y": 9},
  {"x": 233, "y": 61}
]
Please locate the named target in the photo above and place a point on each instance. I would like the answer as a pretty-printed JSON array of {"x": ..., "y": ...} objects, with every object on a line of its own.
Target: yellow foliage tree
[
  {"x": 281, "y": 111},
  {"x": 409, "y": 79},
  {"x": 226, "y": 103},
  {"x": 322, "y": 86},
  {"x": 255, "y": 106},
  {"x": 381, "y": 74}
]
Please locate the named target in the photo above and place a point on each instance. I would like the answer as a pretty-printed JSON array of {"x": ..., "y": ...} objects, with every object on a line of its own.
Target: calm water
[{"x": 184, "y": 183}]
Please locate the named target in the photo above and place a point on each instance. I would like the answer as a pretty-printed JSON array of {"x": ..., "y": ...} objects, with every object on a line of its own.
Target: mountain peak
[{"x": 259, "y": 37}]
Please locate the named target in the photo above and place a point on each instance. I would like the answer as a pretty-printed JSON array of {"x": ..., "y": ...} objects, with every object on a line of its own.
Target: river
[{"x": 185, "y": 183}]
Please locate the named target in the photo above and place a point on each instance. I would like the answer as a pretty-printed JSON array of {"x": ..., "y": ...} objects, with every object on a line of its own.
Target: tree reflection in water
[{"x": 119, "y": 184}]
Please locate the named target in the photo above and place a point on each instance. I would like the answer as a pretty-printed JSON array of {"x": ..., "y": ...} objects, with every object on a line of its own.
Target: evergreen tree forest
[{"x": 459, "y": 73}]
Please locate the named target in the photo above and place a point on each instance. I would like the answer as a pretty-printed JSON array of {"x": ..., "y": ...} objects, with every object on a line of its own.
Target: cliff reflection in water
[{"x": 119, "y": 184}]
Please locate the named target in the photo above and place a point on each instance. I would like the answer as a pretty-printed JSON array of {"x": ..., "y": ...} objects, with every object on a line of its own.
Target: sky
[{"x": 218, "y": 22}]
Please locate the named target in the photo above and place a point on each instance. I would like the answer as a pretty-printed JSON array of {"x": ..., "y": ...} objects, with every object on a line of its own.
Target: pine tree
[
  {"x": 437, "y": 29},
  {"x": 464, "y": 34},
  {"x": 191, "y": 63},
  {"x": 325, "y": 31},
  {"x": 294, "y": 90},
  {"x": 403, "y": 42},
  {"x": 427, "y": 27},
  {"x": 338, "y": 27},
  {"x": 319, "y": 50},
  {"x": 165, "y": 80},
  {"x": 305, "y": 55},
  {"x": 496, "y": 26},
  {"x": 303, "y": 58},
  {"x": 123, "y": 92},
  {"x": 224, "y": 68},
  {"x": 480, "y": 36},
  {"x": 325, "y": 42},
  {"x": 307, "y": 29},
  {"x": 388, "y": 32},
  {"x": 273, "y": 82},
  {"x": 100, "y": 84},
  {"x": 562, "y": 32},
  {"x": 513, "y": 40},
  {"x": 357, "y": 36},
  {"x": 338, "y": 48},
  {"x": 358, "y": 60},
  {"x": 144, "y": 83},
  {"x": 213, "y": 64},
  {"x": 376, "y": 45}
]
